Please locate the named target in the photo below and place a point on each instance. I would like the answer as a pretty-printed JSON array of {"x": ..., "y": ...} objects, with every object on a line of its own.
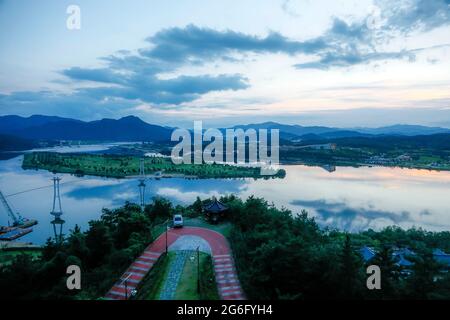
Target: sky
[{"x": 309, "y": 62}]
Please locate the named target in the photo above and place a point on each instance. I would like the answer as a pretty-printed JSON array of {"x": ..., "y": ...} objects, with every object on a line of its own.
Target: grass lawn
[
  {"x": 158, "y": 230},
  {"x": 150, "y": 289},
  {"x": 187, "y": 287}
]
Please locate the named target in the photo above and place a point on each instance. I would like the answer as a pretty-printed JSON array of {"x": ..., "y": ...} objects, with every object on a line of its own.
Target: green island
[{"x": 123, "y": 166}]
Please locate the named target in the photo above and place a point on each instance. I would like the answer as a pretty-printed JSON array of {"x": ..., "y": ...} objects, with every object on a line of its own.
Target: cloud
[
  {"x": 67, "y": 105},
  {"x": 137, "y": 76},
  {"x": 148, "y": 88},
  {"x": 193, "y": 44},
  {"x": 353, "y": 43},
  {"x": 415, "y": 15},
  {"x": 286, "y": 7},
  {"x": 128, "y": 79},
  {"x": 354, "y": 57},
  {"x": 96, "y": 75}
]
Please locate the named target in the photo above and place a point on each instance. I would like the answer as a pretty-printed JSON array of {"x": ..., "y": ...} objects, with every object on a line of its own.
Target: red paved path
[{"x": 225, "y": 272}]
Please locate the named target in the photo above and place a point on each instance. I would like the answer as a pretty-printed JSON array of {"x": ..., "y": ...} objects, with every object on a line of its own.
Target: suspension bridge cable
[{"x": 44, "y": 187}]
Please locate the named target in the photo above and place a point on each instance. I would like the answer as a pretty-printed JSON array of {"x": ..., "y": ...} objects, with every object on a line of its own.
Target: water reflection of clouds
[
  {"x": 342, "y": 216},
  {"x": 179, "y": 190},
  {"x": 186, "y": 197},
  {"x": 116, "y": 193},
  {"x": 386, "y": 174}
]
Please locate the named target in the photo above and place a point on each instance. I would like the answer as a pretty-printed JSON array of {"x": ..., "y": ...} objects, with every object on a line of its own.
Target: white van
[{"x": 177, "y": 221}]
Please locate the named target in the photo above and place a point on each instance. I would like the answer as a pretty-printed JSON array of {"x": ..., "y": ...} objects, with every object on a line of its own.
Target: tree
[
  {"x": 160, "y": 209},
  {"x": 99, "y": 242},
  {"x": 76, "y": 244},
  {"x": 351, "y": 283},
  {"x": 197, "y": 206},
  {"x": 133, "y": 223},
  {"x": 49, "y": 250},
  {"x": 390, "y": 273},
  {"x": 425, "y": 271}
]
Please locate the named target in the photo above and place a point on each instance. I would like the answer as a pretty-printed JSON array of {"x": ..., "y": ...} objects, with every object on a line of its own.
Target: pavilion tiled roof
[{"x": 215, "y": 206}]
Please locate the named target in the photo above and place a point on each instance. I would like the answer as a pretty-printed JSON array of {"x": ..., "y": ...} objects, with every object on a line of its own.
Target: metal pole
[
  {"x": 167, "y": 225},
  {"x": 198, "y": 270},
  {"x": 54, "y": 193},
  {"x": 125, "y": 281},
  {"x": 59, "y": 197}
]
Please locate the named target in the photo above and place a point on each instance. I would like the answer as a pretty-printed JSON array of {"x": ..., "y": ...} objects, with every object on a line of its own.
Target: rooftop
[{"x": 215, "y": 206}]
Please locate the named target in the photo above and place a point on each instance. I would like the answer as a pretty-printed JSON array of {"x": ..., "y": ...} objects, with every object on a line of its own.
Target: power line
[{"x": 43, "y": 187}]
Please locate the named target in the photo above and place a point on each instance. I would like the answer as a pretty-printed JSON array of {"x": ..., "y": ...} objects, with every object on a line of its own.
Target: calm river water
[{"x": 348, "y": 198}]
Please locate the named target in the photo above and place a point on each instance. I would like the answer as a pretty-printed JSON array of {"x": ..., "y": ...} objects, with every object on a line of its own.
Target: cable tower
[
  {"x": 57, "y": 223},
  {"x": 142, "y": 184}
]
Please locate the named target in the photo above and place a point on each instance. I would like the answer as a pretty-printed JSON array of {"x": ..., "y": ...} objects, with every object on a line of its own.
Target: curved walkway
[
  {"x": 224, "y": 269},
  {"x": 169, "y": 288},
  {"x": 190, "y": 242}
]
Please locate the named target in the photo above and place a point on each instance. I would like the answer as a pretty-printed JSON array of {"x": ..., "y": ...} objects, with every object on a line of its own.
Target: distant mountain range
[
  {"x": 54, "y": 128},
  {"x": 131, "y": 128},
  {"x": 403, "y": 130},
  {"x": 295, "y": 132}
]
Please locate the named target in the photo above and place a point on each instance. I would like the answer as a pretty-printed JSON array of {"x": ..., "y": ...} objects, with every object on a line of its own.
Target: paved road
[{"x": 225, "y": 272}]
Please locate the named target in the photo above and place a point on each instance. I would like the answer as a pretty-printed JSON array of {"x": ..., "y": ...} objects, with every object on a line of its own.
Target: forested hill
[
  {"x": 12, "y": 143},
  {"x": 435, "y": 141},
  {"x": 54, "y": 128}
]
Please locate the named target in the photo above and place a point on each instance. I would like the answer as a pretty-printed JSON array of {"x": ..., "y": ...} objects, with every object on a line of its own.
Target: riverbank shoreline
[{"x": 360, "y": 164}]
